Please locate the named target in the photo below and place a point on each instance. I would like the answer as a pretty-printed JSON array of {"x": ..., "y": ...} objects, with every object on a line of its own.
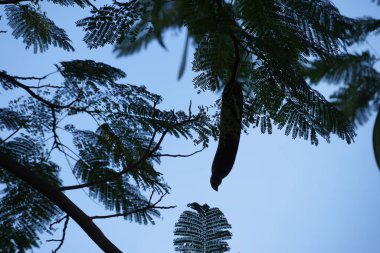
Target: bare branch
[
  {"x": 61, "y": 241},
  {"x": 10, "y": 136},
  {"x": 56, "y": 142},
  {"x": 57, "y": 222},
  {"x": 93, "y": 6},
  {"x": 33, "y": 77},
  {"x": 139, "y": 210},
  {"x": 46, "y": 86},
  {"x": 179, "y": 155},
  {"x": 190, "y": 109},
  {"x": 12, "y": 80}
]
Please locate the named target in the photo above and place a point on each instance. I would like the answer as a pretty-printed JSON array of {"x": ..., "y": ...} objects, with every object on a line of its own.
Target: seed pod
[
  {"x": 376, "y": 139},
  {"x": 229, "y": 133}
]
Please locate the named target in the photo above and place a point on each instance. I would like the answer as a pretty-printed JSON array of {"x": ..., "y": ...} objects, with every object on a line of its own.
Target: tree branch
[
  {"x": 90, "y": 4},
  {"x": 33, "y": 77},
  {"x": 57, "y": 222},
  {"x": 148, "y": 154},
  {"x": 10, "y": 136},
  {"x": 56, "y": 142},
  {"x": 61, "y": 241},
  {"x": 12, "y": 1},
  {"x": 139, "y": 210},
  {"x": 179, "y": 155},
  {"x": 16, "y": 83},
  {"x": 58, "y": 198}
]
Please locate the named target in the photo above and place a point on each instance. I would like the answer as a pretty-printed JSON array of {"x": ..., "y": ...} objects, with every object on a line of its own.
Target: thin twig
[
  {"x": 57, "y": 222},
  {"x": 56, "y": 141},
  {"x": 72, "y": 151},
  {"x": 18, "y": 129},
  {"x": 10, "y": 136},
  {"x": 33, "y": 77},
  {"x": 46, "y": 86},
  {"x": 61, "y": 241},
  {"x": 93, "y": 6},
  {"x": 147, "y": 207},
  {"x": 179, "y": 155},
  {"x": 12, "y": 80},
  {"x": 190, "y": 108}
]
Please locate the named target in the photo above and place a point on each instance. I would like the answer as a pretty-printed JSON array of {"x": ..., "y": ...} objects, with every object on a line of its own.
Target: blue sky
[{"x": 283, "y": 195}]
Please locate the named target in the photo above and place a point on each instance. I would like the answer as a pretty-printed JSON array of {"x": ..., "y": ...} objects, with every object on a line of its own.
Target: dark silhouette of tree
[
  {"x": 254, "y": 51},
  {"x": 204, "y": 230}
]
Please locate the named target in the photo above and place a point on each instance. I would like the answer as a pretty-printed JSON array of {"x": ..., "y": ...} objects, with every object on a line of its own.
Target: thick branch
[{"x": 58, "y": 198}]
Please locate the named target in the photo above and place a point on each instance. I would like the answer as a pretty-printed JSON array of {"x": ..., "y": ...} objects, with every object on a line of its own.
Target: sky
[{"x": 283, "y": 195}]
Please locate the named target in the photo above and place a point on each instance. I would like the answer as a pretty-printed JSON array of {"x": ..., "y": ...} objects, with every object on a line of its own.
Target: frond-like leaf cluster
[
  {"x": 111, "y": 24},
  {"x": 104, "y": 153},
  {"x": 203, "y": 230},
  {"x": 36, "y": 29},
  {"x": 10, "y": 120},
  {"x": 360, "y": 91},
  {"x": 24, "y": 212}
]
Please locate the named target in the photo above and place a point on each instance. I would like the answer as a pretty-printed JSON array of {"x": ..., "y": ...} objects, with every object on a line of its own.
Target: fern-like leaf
[
  {"x": 202, "y": 229},
  {"x": 10, "y": 120},
  {"x": 360, "y": 92},
  {"x": 111, "y": 23},
  {"x": 36, "y": 29}
]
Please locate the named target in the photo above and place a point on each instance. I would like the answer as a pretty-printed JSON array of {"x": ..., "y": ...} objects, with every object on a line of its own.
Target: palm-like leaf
[{"x": 203, "y": 230}]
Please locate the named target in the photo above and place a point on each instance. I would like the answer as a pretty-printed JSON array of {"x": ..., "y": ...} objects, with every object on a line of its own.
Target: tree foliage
[
  {"x": 358, "y": 95},
  {"x": 117, "y": 159},
  {"x": 203, "y": 230},
  {"x": 267, "y": 48},
  {"x": 36, "y": 29}
]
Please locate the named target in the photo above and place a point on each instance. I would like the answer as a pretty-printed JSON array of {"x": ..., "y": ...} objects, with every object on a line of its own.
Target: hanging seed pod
[
  {"x": 376, "y": 139},
  {"x": 229, "y": 133}
]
